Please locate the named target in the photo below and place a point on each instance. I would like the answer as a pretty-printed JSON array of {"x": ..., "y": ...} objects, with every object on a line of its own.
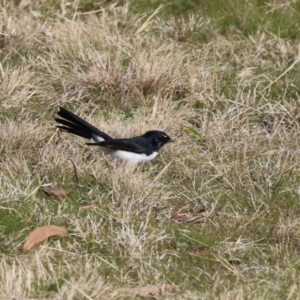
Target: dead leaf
[
  {"x": 151, "y": 290},
  {"x": 56, "y": 192},
  {"x": 42, "y": 233}
]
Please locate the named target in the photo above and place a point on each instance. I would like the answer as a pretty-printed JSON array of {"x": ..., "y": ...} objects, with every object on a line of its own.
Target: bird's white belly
[{"x": 132, "y": 158}]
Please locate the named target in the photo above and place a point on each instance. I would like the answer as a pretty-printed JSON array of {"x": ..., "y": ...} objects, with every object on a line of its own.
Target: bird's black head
[{"x": 157, "y": 138}]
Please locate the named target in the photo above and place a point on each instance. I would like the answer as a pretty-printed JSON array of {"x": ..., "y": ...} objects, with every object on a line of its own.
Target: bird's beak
[{"x": 171, "y": 141}]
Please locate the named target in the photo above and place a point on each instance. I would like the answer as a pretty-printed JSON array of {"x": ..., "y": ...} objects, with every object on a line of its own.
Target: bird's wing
[{"x": 122, "y": 144}]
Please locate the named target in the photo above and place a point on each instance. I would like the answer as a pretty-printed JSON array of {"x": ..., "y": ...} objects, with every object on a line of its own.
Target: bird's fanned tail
[{"x": 75, "y": 125}]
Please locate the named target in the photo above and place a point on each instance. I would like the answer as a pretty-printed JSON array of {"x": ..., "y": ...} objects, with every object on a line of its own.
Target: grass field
[{"x": 217, "y": 213}]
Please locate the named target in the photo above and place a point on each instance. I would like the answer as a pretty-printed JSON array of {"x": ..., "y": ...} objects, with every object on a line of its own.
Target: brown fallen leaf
[
  {"x": 151, "y": 290},
  {"x": 42, "y": 233},
  {"x": 56, "y": 192}
]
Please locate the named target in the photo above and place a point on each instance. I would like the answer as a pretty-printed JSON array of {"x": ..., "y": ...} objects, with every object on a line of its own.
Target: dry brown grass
[{"x": 126, "y": 75}]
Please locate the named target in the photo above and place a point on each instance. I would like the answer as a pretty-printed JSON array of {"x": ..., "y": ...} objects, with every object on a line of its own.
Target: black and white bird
[{"x": 133, "y": 150}]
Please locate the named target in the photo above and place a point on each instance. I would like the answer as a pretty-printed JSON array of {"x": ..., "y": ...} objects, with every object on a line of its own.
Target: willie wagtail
[{"x": 133, "y": 150}]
